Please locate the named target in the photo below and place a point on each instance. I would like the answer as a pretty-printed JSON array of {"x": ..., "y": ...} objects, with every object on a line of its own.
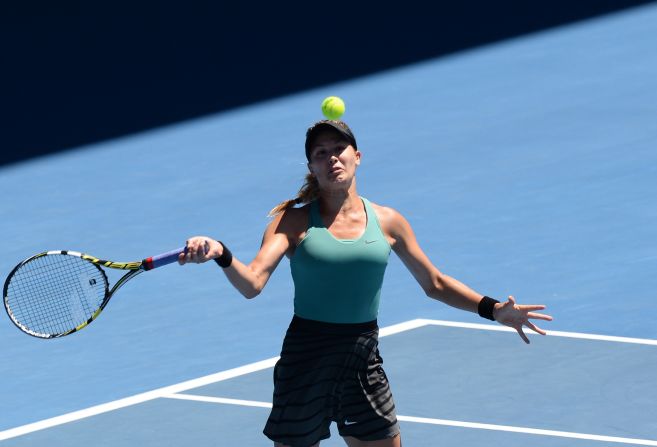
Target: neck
[{"x": 339, "y": 201}]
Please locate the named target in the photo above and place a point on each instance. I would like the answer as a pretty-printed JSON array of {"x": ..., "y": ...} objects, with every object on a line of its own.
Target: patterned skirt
[{"x": 330, "y": 372}]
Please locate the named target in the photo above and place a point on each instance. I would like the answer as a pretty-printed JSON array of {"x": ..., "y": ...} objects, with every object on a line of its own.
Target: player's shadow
[{"x": 76, "y": 73}]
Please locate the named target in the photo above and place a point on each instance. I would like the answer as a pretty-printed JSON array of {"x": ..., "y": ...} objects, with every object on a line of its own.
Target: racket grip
[{"x": 163, "y": 259}]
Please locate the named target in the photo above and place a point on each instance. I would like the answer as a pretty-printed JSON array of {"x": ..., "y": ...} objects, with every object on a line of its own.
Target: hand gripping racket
[{"x": 56, "y": 293}]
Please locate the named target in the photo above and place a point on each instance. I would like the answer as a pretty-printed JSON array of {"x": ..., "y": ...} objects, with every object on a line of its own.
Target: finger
[
  {"x": 535, "y": 328},
  {"x": 204, "y": 251},
  {"x": 189, "y": 253},
  {"x": 530, "y": 307},
  {"x": 197, "y": 254},
  {"x": 181, "y": 259},
  {"x": 522, "y": 335},
  {"x": 539, "y": 316},
  {"x": 197, "y": 249}
]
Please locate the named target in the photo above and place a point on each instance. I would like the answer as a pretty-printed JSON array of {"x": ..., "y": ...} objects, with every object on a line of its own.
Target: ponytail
[{"x": 308, "y": 192}]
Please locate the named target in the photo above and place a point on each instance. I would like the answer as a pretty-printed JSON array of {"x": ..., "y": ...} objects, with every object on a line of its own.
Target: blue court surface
[{"x": 526, "y": 168}]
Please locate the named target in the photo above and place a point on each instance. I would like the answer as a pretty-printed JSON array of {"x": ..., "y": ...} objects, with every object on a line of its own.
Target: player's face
[{"x": 333, "y": 160}]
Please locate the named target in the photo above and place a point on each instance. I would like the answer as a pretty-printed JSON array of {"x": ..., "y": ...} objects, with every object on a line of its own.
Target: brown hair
[{"x": 309, "y": 191}]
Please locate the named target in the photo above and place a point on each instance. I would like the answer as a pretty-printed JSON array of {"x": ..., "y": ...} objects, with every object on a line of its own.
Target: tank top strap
[
  {"x": 372, "y": 221},
  {"x": 315, "y": 219},
  {"x": 369, "y": 211}
]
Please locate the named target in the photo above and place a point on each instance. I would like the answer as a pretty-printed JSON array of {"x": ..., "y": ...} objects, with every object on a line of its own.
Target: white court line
[
  {"x": 445, "y": 422},
  {"x": 219, "y": 400},
  {"x": 137, "y": 399},
  {"x": 527, "y": 430},
  {"x": 499, "y": 328},
  {"x": 402, "y": 327},
  {"x": 264, "y": 364}
]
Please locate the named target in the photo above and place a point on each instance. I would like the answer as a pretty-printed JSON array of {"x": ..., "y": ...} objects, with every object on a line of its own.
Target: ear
[{"x": 358, "y": 156}]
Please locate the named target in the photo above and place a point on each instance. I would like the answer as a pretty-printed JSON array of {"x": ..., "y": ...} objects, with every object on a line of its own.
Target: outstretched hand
[{"x": 517, "y": 315}]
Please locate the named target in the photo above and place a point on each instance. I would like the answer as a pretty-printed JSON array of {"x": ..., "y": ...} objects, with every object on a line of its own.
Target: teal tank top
[{"x": 339, "y": 281}]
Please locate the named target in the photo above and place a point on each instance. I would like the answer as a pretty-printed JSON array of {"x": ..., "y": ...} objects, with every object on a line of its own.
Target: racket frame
[{"x": 135, "y": 268}]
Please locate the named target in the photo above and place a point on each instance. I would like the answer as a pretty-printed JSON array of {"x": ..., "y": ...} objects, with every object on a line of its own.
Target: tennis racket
[{"x": 56, "y": 293}]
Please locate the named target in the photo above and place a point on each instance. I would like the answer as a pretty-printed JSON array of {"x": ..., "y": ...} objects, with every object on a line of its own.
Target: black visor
[{"x": 340, "y": 126}]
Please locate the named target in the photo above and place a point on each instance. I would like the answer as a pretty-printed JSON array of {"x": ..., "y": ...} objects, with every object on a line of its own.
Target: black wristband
[
  {"x": 226, "y": 258},
  {"x": 486, "y": 306}
]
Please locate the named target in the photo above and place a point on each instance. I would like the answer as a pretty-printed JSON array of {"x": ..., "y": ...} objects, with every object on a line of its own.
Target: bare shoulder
[
  {"x": 297, "y": 218},
  {"x": 291, "y": 221}
]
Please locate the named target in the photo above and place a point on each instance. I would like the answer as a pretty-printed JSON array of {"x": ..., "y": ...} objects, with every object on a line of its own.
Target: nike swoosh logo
[
  {"x": 369, "y": 242},
  {"x": 350, "y": 422}
]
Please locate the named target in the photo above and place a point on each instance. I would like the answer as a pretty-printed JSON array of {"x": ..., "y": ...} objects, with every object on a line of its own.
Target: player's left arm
[{"x": 442, "y": 287}]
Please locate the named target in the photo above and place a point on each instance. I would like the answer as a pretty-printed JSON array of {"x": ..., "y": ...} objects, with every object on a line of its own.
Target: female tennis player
[{"x": 338, "y": 244}]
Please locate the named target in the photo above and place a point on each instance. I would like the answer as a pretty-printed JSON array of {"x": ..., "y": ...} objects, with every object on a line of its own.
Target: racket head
[{"x": 55, "y": 293}]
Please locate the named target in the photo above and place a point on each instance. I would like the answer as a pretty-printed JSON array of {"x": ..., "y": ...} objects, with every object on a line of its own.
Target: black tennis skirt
[{"x": 330, "y": 372}]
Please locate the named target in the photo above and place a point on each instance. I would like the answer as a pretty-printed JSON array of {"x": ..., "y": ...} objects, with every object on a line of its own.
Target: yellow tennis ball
[{"x": 333, "y": 107}]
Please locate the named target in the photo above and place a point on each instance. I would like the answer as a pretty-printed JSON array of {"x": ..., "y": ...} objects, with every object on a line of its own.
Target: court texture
[{"x": 526, "y": 168}]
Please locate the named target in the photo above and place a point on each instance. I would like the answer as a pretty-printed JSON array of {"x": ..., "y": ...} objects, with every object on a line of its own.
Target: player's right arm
[{"x": 279, "y": 238}]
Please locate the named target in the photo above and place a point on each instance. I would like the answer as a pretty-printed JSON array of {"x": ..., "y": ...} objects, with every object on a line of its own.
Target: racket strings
[
  {"x": 54, "y": 294},
  {"x": 47, "y": 317}
]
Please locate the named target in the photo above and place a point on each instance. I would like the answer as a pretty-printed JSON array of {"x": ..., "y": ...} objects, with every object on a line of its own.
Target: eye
[
  {"x": 319, "y": 153},
  {"x": 337, "y": 150}
]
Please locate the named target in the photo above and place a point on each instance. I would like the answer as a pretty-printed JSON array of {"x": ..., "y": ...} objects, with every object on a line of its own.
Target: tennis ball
[{"x": 333, "y": 107}]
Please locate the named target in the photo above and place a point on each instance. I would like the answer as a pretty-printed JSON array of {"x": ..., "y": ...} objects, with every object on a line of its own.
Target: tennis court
[{"x": 526, "y": 167}]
